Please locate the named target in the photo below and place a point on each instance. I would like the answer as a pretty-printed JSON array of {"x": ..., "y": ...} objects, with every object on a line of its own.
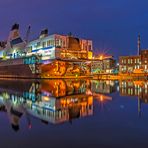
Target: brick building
[{"x": 134, "y": 64}]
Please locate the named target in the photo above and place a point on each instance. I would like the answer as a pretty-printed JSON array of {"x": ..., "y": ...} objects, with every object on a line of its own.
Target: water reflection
[
  {"x": 51, "y": 101},
  {"x": 137, "y": 89},
  {"x": 63, "y": 100}
]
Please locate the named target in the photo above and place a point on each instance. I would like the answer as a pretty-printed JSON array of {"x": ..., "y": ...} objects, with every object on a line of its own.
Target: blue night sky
[{"x": 113, "y": 25}]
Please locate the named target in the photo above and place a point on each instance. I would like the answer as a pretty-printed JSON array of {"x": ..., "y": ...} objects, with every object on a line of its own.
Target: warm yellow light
[
  {"x": 101, "y": 98},
  {"x": 45, "y": 98},
  {"x": 101, "y": 57},
  {"x": 90, "y": 55}
]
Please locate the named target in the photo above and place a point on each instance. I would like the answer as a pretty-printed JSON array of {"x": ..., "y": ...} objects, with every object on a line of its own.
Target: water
[{"x": 73, "y": 113}]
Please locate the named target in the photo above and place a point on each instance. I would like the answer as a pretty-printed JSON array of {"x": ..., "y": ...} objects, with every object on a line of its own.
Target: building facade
[
  {"x": 106, "y": 65},
  {"x": 134, "y": 64},
  {"x": 144, "y": 60},
  {"x": 109, "y": 65}
]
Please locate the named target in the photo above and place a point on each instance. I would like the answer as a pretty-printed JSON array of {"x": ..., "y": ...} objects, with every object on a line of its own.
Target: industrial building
[{"x": 136, "y": 63}]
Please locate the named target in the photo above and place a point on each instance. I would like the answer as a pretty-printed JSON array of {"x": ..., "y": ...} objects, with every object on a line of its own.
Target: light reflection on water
[{"x": 102, "y": 105}]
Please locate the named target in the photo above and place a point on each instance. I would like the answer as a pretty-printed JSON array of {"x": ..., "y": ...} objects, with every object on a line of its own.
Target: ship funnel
[
  {"x": 44, "y": 33},
  {"x": 73, "y": 43},
  {"x": 15, "y": 27},
  {"x": 14, "y": 33}
]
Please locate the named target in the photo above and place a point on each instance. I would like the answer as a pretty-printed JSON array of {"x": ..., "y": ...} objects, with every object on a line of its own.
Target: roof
[{"x": 130, "y": 56}]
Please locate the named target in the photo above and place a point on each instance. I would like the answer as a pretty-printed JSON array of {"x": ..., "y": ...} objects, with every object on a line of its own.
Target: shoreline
[{"x": 95, "y": 77}]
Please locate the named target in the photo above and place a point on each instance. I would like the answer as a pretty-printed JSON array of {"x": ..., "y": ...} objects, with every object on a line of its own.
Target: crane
[{"x": 27, "y": 34}]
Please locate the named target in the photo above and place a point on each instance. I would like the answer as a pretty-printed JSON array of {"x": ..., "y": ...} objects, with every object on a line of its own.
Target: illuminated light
[
  {"x": 101, "y": 57},
  {"x": 90, "y": 55},
  {"x": 30, "y": 126},
  {"x": 45, "y": 98},
  {"x": 101, "y": 98},
  {"x": 68, "y": 102}
]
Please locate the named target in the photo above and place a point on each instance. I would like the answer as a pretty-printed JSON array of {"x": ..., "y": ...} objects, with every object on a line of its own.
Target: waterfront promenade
[
  {"x": 121, "y": 76},
  {"x": 102, "y": 76}
]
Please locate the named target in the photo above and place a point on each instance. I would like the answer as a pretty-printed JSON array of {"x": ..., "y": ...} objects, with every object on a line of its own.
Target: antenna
[{"x": 139, "y": 44}]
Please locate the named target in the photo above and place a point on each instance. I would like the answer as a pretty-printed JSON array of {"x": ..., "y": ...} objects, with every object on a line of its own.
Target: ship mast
[{"x": 27, "y": 34}]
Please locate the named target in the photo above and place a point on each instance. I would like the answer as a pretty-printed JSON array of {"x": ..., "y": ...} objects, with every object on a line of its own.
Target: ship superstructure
[{"x": 47, "y": 56}]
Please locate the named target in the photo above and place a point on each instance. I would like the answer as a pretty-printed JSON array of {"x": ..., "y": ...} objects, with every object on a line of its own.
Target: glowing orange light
[
  {"x": 46, "y": 98},
  {"x": 101, "y": 57},
  {"x": 101, "y": 98}
]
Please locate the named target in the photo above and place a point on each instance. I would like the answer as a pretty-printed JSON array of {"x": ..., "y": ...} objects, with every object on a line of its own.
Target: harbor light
[{"x": 101, "y": 57}]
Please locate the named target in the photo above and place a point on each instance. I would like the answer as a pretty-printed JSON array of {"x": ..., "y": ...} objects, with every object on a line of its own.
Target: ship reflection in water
[
  {"x": 75, "y": 112},
  {"x": 51, "y": 101},
  {"x": 59, "y": 101}
]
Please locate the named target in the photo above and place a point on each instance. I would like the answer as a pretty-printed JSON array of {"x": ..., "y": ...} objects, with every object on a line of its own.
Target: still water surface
[{"x": 73, "y": 114}]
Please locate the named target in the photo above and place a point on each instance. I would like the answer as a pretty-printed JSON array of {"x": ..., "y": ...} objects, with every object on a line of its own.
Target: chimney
[
  {"x": 15, "y": 27},
  {"x": 14, "y": 33},
  {"x": 139, "y": 44},
  {"x": 44, "y": 33}
]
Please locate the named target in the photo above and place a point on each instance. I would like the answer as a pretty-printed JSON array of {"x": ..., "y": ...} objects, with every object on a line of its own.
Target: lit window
[
  {"x": 44, "y": 44},
  {"x": 38, "y": 45}
]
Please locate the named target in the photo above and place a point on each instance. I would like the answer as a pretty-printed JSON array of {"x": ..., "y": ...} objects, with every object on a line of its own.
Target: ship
[
  {"x": 47, "y": 56},
  {"x": 13, "y": 61}
]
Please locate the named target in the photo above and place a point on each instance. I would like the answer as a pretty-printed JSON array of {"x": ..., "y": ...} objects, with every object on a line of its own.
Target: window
[
  {"x": 48, "y": 43},
  {"x": 63, "y": 43},
  {"x": 38, "y": 45},
  {"x": 124, "y": 61},
  {"x": 29, "y": 49},
  {"x": 44, "y": 44},
  {"x": 89, "y": 47},
  {"x": 57, "y": 42},
  {"x": 52, "y": 43}
]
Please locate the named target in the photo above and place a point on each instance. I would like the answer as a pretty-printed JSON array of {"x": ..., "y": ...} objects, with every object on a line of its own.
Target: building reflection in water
[
  {"x": 135, "y": 88},
  {"x": 51, "y": 101}
]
